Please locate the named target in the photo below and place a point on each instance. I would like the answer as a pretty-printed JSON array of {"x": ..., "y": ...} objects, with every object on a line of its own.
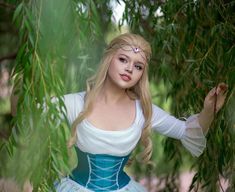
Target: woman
[{"x": 116, "y": 112}]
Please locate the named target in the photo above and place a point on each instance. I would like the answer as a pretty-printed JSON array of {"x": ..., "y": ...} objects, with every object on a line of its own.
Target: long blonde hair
[{"x": 140, "y": 90}]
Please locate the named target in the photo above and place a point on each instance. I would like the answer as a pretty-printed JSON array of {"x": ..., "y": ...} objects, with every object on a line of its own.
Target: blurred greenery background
[{"x": 50, "y": 48}]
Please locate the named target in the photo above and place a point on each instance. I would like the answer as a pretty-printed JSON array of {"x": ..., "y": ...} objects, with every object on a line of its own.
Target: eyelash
[
  {"x": 124, "y": 60},
  {"x": 138, "y": 67}
]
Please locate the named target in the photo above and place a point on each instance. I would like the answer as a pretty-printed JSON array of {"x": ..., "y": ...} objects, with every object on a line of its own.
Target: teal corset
[{"x": 98, "y": 172}]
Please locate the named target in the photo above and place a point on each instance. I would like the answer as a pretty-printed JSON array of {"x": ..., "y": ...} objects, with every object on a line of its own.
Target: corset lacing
[{"x": 99, "y": 172}]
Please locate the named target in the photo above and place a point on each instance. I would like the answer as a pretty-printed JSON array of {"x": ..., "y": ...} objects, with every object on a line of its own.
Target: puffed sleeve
[
  {"x": 189, "y": 132},
  {"x": 74, "y": 105}
]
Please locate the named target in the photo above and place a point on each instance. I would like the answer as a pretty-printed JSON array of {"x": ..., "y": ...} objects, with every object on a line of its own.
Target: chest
[{"x": 113, "y": 117}]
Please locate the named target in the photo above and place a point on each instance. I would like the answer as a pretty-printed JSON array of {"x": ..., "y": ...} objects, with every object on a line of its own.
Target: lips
[{"x": 125, "y": 77}]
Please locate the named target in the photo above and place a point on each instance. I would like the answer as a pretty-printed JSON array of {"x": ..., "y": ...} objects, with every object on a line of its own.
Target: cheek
[
  {"x": 138, "y": 76},
  {"x": 115, "y": 67},
  {"x": 136, "y": 79},
  {"x": 112, "y": 70}
]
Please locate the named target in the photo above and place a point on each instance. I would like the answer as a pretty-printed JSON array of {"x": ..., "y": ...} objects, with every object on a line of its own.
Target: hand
[
  {"x": 214, "y": 100},
  {"x": 27, "y": 186}
]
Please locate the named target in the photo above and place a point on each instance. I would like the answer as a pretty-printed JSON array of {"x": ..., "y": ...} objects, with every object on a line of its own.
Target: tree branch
[
  {"x": 7, "y": 5},
  {"x": 11, "y": 56}
]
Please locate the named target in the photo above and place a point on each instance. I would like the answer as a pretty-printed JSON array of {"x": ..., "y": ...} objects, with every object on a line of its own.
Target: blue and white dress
[{"x": 103, "y": 154}]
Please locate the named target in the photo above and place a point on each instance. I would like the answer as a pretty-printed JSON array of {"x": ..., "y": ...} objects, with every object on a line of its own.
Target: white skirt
[{"x": 68, "y": 185}]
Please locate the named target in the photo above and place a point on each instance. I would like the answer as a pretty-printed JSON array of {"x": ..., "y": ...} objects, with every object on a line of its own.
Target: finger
[
  {"x": 221, "y": 88},
  {"x": 220, "y": 91},
  {"x": 211, "y": 95},
  {"x": 212, "y": 92},
  {"x": 223, "y": 84}
]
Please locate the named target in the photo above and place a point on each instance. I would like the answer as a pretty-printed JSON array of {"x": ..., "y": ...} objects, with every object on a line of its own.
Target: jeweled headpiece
[{"x": 135, "y": 49}]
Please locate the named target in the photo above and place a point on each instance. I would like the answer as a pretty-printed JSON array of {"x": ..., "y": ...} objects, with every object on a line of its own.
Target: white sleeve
[
  {"x": 74, "y": 105},
  {"x": 189, "y": 132}
]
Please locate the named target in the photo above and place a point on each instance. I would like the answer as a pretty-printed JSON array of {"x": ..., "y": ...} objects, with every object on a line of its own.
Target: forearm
[
  {"x": 14, "y": 101},
  {"x": 212, "y": 104},
  {"x": 16, "y": 91},
  {"x": 205, "y": 119}
]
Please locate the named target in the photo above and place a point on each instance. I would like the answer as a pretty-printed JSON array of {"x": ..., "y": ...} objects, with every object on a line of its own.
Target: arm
[
  {"x": 15, "y": 97},
  {"x": 14, "y": 101},
  {"x": 212, "y": 104},
  {"x": 192, "y": 131},
  {"x": 170, "y": 126},
  {"x": 73, "y": 102},
  {"x": 189, "y": 132},
  {"x": 16, "y": 91}
]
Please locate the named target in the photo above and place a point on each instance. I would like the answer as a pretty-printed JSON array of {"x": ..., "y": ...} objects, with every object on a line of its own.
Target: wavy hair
[{"x": 140, "y": 90}]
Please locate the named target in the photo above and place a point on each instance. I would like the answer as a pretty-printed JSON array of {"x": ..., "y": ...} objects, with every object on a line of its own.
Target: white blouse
[{"x": 120, "y": 143}]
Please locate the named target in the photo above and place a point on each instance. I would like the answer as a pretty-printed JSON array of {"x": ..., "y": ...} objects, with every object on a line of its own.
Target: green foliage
[
  {"x": 193, "y": 50},
  {"x": 38, "y": 142},
  {"x": 60, "y": 46}
]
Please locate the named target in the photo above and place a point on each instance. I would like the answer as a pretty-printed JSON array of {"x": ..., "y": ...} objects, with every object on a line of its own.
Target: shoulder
[
  {"x": 78, "y": 95},
  {"x": 73, "y": 98},
  {"x": 74, "y": 101}
]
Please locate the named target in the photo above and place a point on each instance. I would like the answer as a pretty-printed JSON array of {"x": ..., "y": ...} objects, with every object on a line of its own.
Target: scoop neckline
[{"x": 93, "y": 127}]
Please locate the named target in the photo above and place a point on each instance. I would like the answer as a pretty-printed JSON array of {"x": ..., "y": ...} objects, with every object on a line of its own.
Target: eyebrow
[{"x": 139, "y": 62}]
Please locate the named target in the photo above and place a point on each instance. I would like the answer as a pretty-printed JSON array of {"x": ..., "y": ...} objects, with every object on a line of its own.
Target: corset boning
[{"x": 99, "y": 172}]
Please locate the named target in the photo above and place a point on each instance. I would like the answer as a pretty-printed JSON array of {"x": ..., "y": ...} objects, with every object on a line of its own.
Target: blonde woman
[{"x": 116, "y": 112}]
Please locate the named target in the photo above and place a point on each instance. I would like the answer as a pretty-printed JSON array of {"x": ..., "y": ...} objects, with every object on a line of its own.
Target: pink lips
[{"x": 125, "y": 77}]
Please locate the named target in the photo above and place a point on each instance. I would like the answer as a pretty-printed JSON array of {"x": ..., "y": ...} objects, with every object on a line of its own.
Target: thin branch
[
  {"x": 11, "y": 56},
  {"x": 7, "y": 5},
  {"x": 4, "y": 135},
  {"x": 147, "y": 27},
  {"x": 9, "y": 30}
]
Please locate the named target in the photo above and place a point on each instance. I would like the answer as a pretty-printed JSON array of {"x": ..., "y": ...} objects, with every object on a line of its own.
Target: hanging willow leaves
[
  {"x": 193, "y": 50},
  {"x": 38, "y": 138},
  {"x": 60, "y": 46},
  {"x": 54, "y": 43}
]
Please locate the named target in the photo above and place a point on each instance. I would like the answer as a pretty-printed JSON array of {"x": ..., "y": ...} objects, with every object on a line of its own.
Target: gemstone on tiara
[
  {"x": 129, "y": 47},
  {"x": 136, "y": 50}
]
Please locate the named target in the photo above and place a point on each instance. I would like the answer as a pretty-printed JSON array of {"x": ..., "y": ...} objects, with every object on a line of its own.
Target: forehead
[{"x": 134, "y": 53}]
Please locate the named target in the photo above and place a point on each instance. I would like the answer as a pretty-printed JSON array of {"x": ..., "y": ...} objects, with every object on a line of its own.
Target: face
[{"x": 126, "y": 68}]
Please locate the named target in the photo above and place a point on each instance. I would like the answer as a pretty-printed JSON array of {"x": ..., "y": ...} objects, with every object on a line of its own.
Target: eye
[
  {"x": 138, "y": 67},
  {"x": 123, "y": 60}
]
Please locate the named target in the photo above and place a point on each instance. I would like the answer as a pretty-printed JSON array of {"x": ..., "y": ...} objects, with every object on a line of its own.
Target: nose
[{"x": 129, "y": 68}]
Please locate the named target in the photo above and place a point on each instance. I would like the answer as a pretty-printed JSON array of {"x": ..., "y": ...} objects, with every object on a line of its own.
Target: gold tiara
[{"x": 135, "y": 49}]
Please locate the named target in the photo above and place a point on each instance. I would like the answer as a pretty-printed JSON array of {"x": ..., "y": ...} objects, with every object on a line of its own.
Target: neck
[{"x": 111, "y": 93}]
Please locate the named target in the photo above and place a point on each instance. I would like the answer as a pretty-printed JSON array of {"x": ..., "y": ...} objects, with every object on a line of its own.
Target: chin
[{"x": 125, "y": 86}]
